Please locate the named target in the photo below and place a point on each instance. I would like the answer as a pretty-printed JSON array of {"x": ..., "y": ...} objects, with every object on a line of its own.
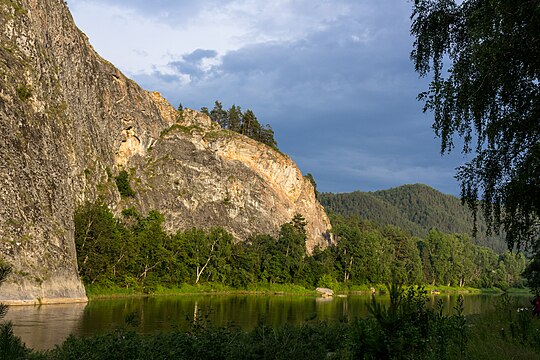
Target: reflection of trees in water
[{"x": 43, "y": 327}]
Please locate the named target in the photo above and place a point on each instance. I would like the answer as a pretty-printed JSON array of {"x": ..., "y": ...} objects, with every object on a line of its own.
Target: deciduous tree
[{"x": 483, "y": 57}]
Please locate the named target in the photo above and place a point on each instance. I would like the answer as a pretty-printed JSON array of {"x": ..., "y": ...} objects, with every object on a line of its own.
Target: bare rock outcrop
[{"x": 70, "y": 121}]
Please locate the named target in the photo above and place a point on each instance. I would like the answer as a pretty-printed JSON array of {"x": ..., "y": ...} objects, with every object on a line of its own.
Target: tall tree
[
  {"x": 219, "y": 115},
  {"x": 247, "y": 120},
  {"x": 100, "y": 251},
  {"x": 267, "y": 136},
  {"x": 234, "y": 116},
  {"x": 292, "y": 246},
  {"x": 491, "y": 93}
]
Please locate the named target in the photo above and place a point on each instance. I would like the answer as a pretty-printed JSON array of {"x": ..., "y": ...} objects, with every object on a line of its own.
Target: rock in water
[
  {"x": 325, "y": 292},
  {"x": 70, "y": 121}
]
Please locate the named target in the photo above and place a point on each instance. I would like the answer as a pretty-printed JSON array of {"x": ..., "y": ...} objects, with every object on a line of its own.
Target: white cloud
[
  {"x": 333, "y": 77},
  {"x": 158, "y": 33},
  {"x": 116, "y": 31}
]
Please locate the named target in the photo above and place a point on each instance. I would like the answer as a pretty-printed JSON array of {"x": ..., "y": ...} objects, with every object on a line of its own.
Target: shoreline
[
  {"x": 45, "y": 301},
  {"x": 285, "y": 290},
  {"x": 300, "y": 292}
]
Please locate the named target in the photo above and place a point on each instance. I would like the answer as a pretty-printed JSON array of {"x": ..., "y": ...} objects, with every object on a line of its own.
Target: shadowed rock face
[{"x": 70, "y": 121}]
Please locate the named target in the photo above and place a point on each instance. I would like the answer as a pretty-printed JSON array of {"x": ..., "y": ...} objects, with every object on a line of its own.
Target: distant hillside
[{"x": 414, "y": 208}]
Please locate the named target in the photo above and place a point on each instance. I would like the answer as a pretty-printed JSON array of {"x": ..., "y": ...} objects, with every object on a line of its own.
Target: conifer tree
[
  {"x": 248, "y": 120},
  {"x": 219, "y": 115},
  {"x": 235, "y": 118},
  {"x": 267, "y": 136}
]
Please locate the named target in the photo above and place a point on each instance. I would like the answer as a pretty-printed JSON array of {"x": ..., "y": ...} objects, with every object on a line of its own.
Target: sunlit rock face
[
  {"x": 199, "y": 175},
  {"x": 70, "y": 121}
]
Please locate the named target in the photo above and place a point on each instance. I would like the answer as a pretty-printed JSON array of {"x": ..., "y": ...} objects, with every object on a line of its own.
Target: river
[{"x": 42, "y": 327}]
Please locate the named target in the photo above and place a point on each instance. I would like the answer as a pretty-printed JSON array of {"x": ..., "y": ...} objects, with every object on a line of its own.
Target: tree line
[
  {"x": 245, "y": 123},
  {"x": 416, "y": 209},
  {"x": 134, "y": 251}
]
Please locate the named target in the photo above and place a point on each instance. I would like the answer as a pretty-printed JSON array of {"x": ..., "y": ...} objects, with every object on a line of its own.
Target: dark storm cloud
[
  {"x": 191, "y": 64},
  {"x": 342, "y": 101},
  {"x": 198, "y": 55}
]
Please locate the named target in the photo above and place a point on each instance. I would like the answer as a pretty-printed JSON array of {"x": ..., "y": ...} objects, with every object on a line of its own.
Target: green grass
[
  {"x": 180, "y": 128},
  {"x": 363, "y": 288},
  {"x": 504, "y": 333},
  {"x": 523, "y": 291},
  {"x": 99, "y": 291},
  {"x": 281, "y": 289},
  {"x": 443, "y": 289},
  {"x": 458, "y": 290}
]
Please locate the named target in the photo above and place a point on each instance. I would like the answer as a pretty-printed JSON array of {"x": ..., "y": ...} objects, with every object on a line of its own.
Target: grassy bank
[
  {"x": 380, "y": 288},
  {"x": 97, "y": 291},
  {"x": 404, "y": 329}
]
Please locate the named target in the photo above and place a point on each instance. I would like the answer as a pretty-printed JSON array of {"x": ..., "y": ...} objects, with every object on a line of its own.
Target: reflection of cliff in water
[{"x": 44, "y": 326}]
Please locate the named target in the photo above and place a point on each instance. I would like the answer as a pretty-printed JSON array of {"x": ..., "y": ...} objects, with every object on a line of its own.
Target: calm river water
[{"x": 42, "y": 327}]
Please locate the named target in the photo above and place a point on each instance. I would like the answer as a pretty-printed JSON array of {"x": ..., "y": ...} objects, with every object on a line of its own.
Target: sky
[{"x": 332, "y": 77}]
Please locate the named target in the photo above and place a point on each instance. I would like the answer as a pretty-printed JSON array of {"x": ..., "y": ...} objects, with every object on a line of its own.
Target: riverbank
[
  {"x": 197, "y": 328},
  {"x": 100, "y": 292}
]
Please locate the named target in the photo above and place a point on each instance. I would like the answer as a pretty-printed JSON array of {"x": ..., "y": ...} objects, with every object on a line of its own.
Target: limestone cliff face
[
  {"x": 197, "y": 174},
  {"x": 70, "y": 121}
]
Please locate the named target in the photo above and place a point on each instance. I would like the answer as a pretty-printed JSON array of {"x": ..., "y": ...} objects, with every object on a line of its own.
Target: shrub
[
  {"x": 24, "y": 93},
  {"x": 122, "y": 183}
]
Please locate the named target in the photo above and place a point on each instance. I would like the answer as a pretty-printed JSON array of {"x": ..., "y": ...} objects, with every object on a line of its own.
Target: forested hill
[{"x": 414, "y": 208}]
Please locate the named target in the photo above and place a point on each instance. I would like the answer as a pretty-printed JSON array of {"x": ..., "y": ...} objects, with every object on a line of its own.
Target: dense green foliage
[
  {"x": 135, "y": 252},
  {"x": 483, "y": 59},
  {"x": 123, "y": 185},
  {"x": 245, "y": 123},
  {"x": 415, "y": 209},
  {"x": 368, "y": 254}
]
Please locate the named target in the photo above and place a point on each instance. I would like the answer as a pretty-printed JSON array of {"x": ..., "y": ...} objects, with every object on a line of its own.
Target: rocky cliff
[{"x": 70, "y": 121}]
